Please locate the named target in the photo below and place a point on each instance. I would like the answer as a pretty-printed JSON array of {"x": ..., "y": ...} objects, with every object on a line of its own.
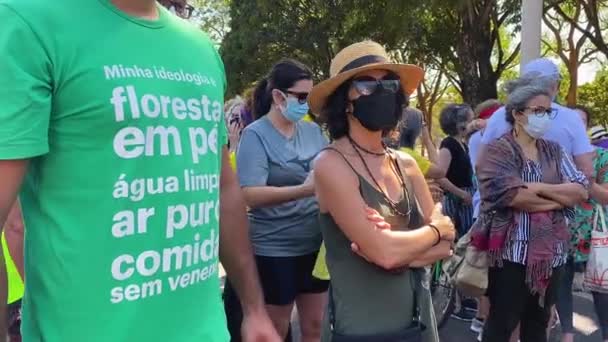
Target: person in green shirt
[{"x": 113, "y": 135}]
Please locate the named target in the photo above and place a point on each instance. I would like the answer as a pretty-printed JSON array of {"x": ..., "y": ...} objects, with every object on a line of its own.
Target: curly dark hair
[
  {"x": 333, "y": 114},
  {"x": 452, "y": 118}
]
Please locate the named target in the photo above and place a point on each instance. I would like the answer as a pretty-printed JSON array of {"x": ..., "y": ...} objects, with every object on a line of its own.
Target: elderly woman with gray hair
[
  {"x": 528, "y": 187},
  {"x": 454, "y": 156}
]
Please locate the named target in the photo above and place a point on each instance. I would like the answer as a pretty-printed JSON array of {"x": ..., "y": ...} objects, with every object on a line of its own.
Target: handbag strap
[{"x": 601, "y": 217}]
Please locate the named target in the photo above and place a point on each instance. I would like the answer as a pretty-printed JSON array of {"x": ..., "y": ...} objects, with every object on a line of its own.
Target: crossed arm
[{"x": 337, "y": 190}]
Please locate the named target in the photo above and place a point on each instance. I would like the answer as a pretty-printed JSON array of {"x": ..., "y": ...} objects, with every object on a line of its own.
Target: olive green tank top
[{"x": 368, "y": 299}]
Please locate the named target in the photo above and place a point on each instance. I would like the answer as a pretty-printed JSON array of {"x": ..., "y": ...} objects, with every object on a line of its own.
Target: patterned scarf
[{"x": 499, "y": 173}]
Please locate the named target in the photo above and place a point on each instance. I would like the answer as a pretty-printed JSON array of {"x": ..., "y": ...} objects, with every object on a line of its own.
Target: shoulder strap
[
  {"x": 407, "y": 184},
  {"x": 330, "y": 148}
]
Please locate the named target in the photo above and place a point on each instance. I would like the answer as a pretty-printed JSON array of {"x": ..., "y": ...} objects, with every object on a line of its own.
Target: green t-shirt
[{"x": 122, "y": 119}]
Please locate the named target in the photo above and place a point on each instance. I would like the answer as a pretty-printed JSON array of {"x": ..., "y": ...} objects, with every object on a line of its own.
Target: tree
[
  {"x": 420, "y": 32},
  {"x": 592, "y": 24},
  {"x": 572, "y": 48},
  {"x": 466, "y": 39},
  {"x": 213, "y": 17},
  {"x": 430, "y": 91},
  {"x": 264, "y": 31},
  {"x": 594, "y": 96}
]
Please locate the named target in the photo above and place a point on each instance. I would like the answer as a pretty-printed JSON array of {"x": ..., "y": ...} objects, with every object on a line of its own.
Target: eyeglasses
[
  {"x": 181, "y": 8},
  {"x": 542, "y": 111},
  {"x": 367, "y": 85},
  {"x": 302, "y": 97}
]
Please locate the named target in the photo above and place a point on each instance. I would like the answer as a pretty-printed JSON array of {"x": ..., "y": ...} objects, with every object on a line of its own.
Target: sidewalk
[
  {"x": 584, "y": 323},
  {"x": 456, "y": 331}
]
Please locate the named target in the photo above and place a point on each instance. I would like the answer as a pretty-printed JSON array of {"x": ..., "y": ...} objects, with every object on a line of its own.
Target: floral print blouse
[{"x": 582, "y": 225}]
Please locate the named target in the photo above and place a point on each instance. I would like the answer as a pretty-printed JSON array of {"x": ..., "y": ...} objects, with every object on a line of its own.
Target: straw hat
[{"x": 355, "y": 59}]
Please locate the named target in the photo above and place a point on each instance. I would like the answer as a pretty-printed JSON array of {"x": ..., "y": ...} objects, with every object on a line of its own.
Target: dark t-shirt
[{"x": 460, "y": 172}]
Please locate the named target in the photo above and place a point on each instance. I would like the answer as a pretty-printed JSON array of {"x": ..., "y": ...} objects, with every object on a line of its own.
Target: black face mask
[{"x": 376, "y": 111}]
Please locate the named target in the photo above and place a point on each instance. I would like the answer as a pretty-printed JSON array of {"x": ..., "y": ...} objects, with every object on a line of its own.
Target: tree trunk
[
  {"x": 573, "y": 71},
  {"x": 474, "y": 60}
]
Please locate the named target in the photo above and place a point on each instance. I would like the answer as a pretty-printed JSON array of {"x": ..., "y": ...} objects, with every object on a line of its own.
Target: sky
[{"x": 587, "y": 72}]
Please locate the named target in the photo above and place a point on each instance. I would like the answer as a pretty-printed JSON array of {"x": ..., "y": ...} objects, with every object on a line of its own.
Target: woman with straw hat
[{"x": 380, "y": 292}]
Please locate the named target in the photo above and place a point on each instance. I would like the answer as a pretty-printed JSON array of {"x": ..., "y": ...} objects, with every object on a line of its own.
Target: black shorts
[{"x": 284, "y": 278}]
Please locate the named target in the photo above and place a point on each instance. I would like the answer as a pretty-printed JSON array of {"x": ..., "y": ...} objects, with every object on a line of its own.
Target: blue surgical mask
[
  {"x": 294, "y": 111},
  {"x": 537, "y": 126}
]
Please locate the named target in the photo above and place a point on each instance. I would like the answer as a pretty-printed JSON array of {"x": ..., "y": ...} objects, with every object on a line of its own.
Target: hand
[
  {"x": 234, "y": 133},
  {"x": 258, "y": 328},
  {"x": 309, "y": 183},
  {"x": 443, "y": 223},
  {"x": 466, "y": 197},
  {"x": 377, "y": 219},
  {"x": 475, "y": 125}
]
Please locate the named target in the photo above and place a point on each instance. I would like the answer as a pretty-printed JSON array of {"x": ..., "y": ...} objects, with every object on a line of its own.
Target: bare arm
[
  {"x": 267, "y": 196},
  {"x": 337, "y": 191},
  {"x": 439, "y": 252},
  {"x": 12, "y": 173},
  {"x": 451, "y": 188},
  {"x": 599, "y": 192},
  {"x": 430, "y": 147},
  {"x": 435, "y": 172},
  {"x": 253, "y": 169},
  {"x": 14, "y": 233},
  {"x": 235, "y": 249},
  {"x": 584, "y": 162},
  {"x": 445, "y": 158}
]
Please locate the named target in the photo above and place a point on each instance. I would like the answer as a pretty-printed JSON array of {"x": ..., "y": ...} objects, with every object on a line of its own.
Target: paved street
[{"x": 584, "y": 322}]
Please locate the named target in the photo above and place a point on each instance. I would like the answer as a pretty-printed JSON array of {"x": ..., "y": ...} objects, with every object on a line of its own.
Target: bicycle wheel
[{"x": 443, "y": 294}]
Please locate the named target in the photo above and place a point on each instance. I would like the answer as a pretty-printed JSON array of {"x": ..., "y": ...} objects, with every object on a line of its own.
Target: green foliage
[
  {"x": 594, "y": 96},
  {"x": 213, "y": 17},
  {"x": 422, "y": 32}
]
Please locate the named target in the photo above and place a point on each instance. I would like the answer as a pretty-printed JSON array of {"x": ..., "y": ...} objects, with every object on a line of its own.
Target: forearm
[
  {"x": 401, "y": 248},
  {"x": 567, "y": 194},
  {"x": 599, "y": 193},
  {"x": 584, "y": 163},
  {"x": 236, "y": 253},
  {"x": 527, "y": 200},
  {"x": 12, "y": 173},
  {"x": 267, "y": 196},
  {"x": 431, "y": 149},
  {"x": 439, "y": 252},
  {"x": 14, "y": 233},
  {"x": 450, "y": 187}
]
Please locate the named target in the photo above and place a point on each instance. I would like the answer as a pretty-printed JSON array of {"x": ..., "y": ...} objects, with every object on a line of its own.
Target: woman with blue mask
[{"x": 274, "y": 166}]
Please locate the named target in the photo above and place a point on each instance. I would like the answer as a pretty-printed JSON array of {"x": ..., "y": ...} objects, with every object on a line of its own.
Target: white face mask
[{"x": 537, "y": 126}]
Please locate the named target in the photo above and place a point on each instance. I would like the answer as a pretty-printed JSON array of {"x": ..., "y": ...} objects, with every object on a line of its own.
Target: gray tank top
[{"x": 368, "y": 299}]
